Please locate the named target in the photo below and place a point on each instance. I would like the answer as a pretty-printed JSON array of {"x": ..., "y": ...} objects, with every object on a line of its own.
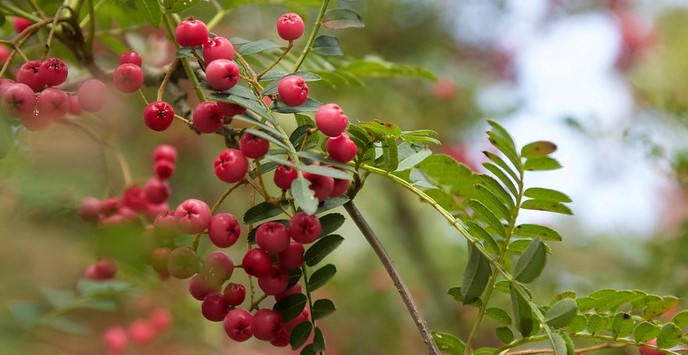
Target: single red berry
[
  {"x": 217, "y": 268},
  {"x": 217, "y": 47},
  {"x": 53, "y": 103},
  {"x": 191, "y": 33},
  {"x": 92, "y": 95},
  {"x": 4, "y": 53},
  {"x": 134, "y": 197},
  {"x": 160, "y": 319},
  {"x": 340, "y": 187},
  {"x": 257, "y": 263},
  {"x": 164, "y": 169},
  {"x": 320, "y": 184},
  {"x": 130, "y": 57},
  {"x": 331, "y": 120},
  {"x": 109, "y": 206},
  {"x": 292, "y": 257},
  {"x": 290, "y": 26},
  {"x": 159, "y": 259},
  {"x": 288, "y": 292},
  {"x": 152, "y": 210},
  {"x": 304, "y": 228},
  {"x": 20, "y": 24},
  {"x": 207, "y": 117},
  {"x": 54, "y": 71},
  {"x": 165, "y": 152},
  {"x": 304, "y": 316},
  {"x": 115, "y": 338},
  {"x": 19, "y": 100},
  {"x": 238, "y": 324},
  {"x": 4, "y": 85},
  {"x": 229, "y": 109},
  {"x": 266, "y": 324},
  {"x": 157, "y": 191},
  {"x": 281, "y": 340},
  {"x": 293, "y": 90},
  {"x": 193, "y": 216},
  {"x": 165, "y": 225},
  {"x": 198, "y": 288},
  {"x": 284, "y": 176},
  {"x": 222, "y": 74},
  {"x": 158, "y": 115},
  {"x": 89, "y": 210},
  {"x": 30, "y": 74},
  {"x": 275, "y": 283},
  {"x": 341, "y": 148},
  {"x": 214, "y": 307},
  {"x": 182, "y": 263},
  {"x": 646, "y": 351},
  {"x": 273, "y": 237},
  {"x": 74, "y": 106},
  {"x": 128, "y": 78},
  {"x": 224, "y": 230},
  {"x": 231, "y": 165},
  {"x": 103, "y": 269},
  {"x": 141, "y": 332},
  {"x": 252, "y": 146},
  {"x": 234, "y": 294}
]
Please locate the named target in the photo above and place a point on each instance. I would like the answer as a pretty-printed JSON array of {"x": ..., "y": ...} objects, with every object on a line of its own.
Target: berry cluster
[{"x": 139, "y": 332}]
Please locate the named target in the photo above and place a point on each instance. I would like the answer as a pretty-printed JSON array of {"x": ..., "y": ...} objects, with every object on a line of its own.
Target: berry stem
[
  {"x": 257, "y": 302},
  {"x": 169, "y": 20},
  {"x": 91, "y": 33},
  {"x": 399, "y": 283},
  {"x": 51, "y": 33},
  {"x": 279, "y": 59},
  {"x": 312, "y": 36},
  {"x": 166, "y": 79},
  {"x": 143, "y": 97}
]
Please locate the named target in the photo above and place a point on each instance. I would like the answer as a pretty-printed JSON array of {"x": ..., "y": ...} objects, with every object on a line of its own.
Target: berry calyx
[
  {"x": 224, "y": 230},
  {"x": 284, "y": 175},
  {"x": 222, "y": 74},
  {"x": 273, "y": 237},
  {"x": 92, "y": 95},
  {"x": 217, "y": 47},
  {"x": 290, "y": 26},
  {"x": 304, "y": 228},
  {"x": 231, "y": 165},
  {"x": 293, "y": 90},
  {"x": 158, "y": 115},
  {"x": 341, "y": 148},
  {"x": 192, "y": 216},
  {"x": 191, "y": 33},
  {"x": 54, "y": 71},
  {"x": 252, "y": 146},
  {"x": 331, "y": 120},
  {"x": 128, "y": 78},
  {"x": 30, "y": 74},
  {"x": 238, "y": 324},
  {"x": 132, "y": 57},
  {"x": 207, "y": 117},
  {"x": 257, "y": 263}
]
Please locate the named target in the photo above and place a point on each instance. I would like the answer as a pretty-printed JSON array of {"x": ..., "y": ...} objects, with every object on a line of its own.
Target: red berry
[
  {"x": 19, "y": 100},
  {"x": 290, "y": 26},
  {"x": 164, "y": 169},
  {"x": 340, "y": 187},
  {"x": 214, "y": 307},
  {"x": 182, "y": 263},
  {"x": 281, "y": 340},
  {"x": 53, "y": 103},
  {"x": 128, "y": 78},
  {"x": 224, "y": 230},
  {"x": 288, "y": 292},
  {"x": 238, "y": 324},
  {"x": 191, "y": 33},
  {"x": 153, "y": 210},
  {"x": 331, "y": 120},
  {"x": 341, "y": 148},
  {"x": 284, "y": 175},
  {"x": 109, "y": 207},
  {"x": 89, "y": 210},
  {"x": 92, "y": 95},
  {"x": 231, "y": 165},
  {"x": 141, "y": 332},
  {"x": 135, "y": 198},
  {"x": 646, "y": 351},
  {"x": 266, "y": 324},
  {"x": 103, "y": 269},
  {"x": 229, "y": 109},
  {"x": 303, "y": 317},
  {"x": 20, "y": 24},
  {"x": 275, "y": 283},
  {"x": 193, "y": 216},
  {"x": 156, "y": 191},
  {"x": 4, "y": 53},
  {"x": 320, "y": 184},
  {"x": 74, "y": 106},
  {"x": 30, "y": 74},
  {"x": 54, "y": 71},
  {"x": 130, "y": 57},
  {"x": 165, "y": 225},
  {"x": 217, "y": 47},
  {"x": 222, "y": 74},
  {"x": 160, "y": 319},
  {"x": 257, "y": 263},
  {"x": 304, "y": 228},
  {"x": 159, "y": 259},
  {"x": 234, "y": 294},
  {"x": 115, "y": 338},
  {"x": 217, "y": 269},
  {"x": 165, "y": 152},
  {"x": 252, "y": 146},
  {"x": 273, "y": 237},
  {"x": 293, "y": 90},
  {"x": 292, "y": 257},
  {"x": 158, "y": 115},
  {"x": 207, "y": 117},
  {"x": 198, "y": 288}
]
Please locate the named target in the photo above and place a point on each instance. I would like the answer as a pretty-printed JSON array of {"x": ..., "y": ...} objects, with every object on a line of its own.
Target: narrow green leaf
[
  {"x": 69, "y": 325},
  {"x": 58, "y": 298},
  {"x": 342, "y": 18},
  {"x": 598, "y": 323},
  {"x": 540, "y": 193},
  {"x": 443, "y": 171},
  {"x": 475, "y": 276},
  {"x": 570, "y": 346},
  {"x": 523, "y": 315},
  {"x": 151, "y": 11},
  {"x": 310, "y": 105},
  {"x": 261, "y": 211},
  {"x": 181, "y": 5},
  {"x": 321, "y": 308},
  {"x": 498, "y": 191},
  {"x": 321, "y": 276},
  {"x": 303, "y": 195},
  {"x": 26, "y": 314},
  {"x": 537, "y": 231},
  {"x": 541, "y": 164},
  {"x": 327, "y": 46},
  {"x": 578, "y": 324},
  {"x": 531, "y": 263},
  {"x": 90, "y": 288},
  {"x": 308, "y": 350},
  {"x": 270, "y": 138},
  {"x": 561, "y": 313},
  {"x": 442, "y": 198},
  {"x": 518, "y": 246},
  {"x": 485, "y": 196},
  {"x": 251, "y": 105},
  {"x": 326, "y": 167},
  {"x": 499, "y": 315},
  {"x": 563, "y": 295},
  {"x": 680, "y": 319},
  {"x": 318, "y": 341},
  {"x": 258, "y": 46},
  {"x": 502, "y": 177},
  {"x": 320, "y": 249},
  {"x": 331, "y": 203},
  {"x": 242, "y": 91},
  {"x": 503, "y": 286},
  {"x": 612, "y": 301},
  {"x": 261, "y": 125},
  {"x": 325, "y": 171},
  {"x": 504, "y": 334},
  {"x": 291, "y": 306},
  {"x": 503, "y": 165},
  {"x": 413, "y": 160},
  {"x": 448, "y": 343},
  {"x": 622, "y": 325},
  {"x": 558, "y": 344},
  {"x": 658, "y": 307},
  {"x": 669, "y": 336},
  {"x": 645, "y": 331},
  {"x": 390, "y": 154},
  {"x": 538, "y": 149},
  {"x": 480, "y": 210},
  {"x": 294, "y": 277},
  {"x": 330, "y": 223},
  {"x": 542, "y": 205},
  {"x": 300, "y": 334},
  {"x": 477, "y": 231}
]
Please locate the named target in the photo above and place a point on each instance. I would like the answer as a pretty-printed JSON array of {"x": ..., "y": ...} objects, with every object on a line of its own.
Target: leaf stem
[{"x": 312, "y": 36}]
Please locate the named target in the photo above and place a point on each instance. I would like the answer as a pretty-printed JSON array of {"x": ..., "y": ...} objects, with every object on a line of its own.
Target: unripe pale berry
[
  {"x": 214, "y": 307},
  {"x": 284, "y": 176},
  {"x": 293, "y": 90},
  {"x": 290, "y": 26},
  {"x": 207, "y": 117},
  {"x": 222, "y": 74},
  {"x": 158, "y": 115},
  {"x": 257, "y": 263},
  {"x": 292, "y": 257},
  {"x": 231, "y": 165},
  {"x": 238, "y": 324},
  {"x": 216, "y": 269},
  {"x": 234, "y": 294},
  {"x": 273, "y": 237},
  {"x": 165, "y": 225},
  {"x": 275, "y": 283},
  {"x": 217, "y": 47},
  {"x": 266, "y": 324},
  {"x": 193, "y": 216},
  {"x": 646, "y": 351},
  {"x": 253, "y": 147},
  {"x": 30, "y": 74},
  {"x": 224, "y": 230},
  {"x": 165, "y": 152},
  {"x": 320, "y": 184},
  {"x": 130, "y": 57},
  {"x": 54, "y": 71},
  {"x": 304, "y": 228},
  {"x": 159, "y": 259},
  {"x": 92, "y": 95},
  {"x": 341, "y": 148},
  {"x": 191, "y": 33},
  {"x": 331, "y": 120},
  {"x": 182, "y": 263},
  {"x": 19, "y": 100},
  {"x": 198, "y": 288},
  {"x": 128, "y": 78}
]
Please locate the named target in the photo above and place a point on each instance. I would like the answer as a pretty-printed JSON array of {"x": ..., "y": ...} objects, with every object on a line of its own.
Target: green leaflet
[{"x": 475, "y": 276}]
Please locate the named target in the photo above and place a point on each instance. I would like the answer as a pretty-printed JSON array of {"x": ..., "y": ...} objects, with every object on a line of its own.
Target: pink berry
[
  {"x": 164, "y": 169},
  {"x": 165, "y": 225},
  {"x": 331, "y": 120},
  {"x": 130, "y": 57},
  {"x": 156, "y": 191},
  {"x": 320, "y": 184},
  {"x": 19, "y": 100},
  {"x": 266, "y": 324},
  {"x": 292, "y": 257},
  {"x": 646, "y": 351},
  {"x": 182, "y": 263},
  {"x": 152, "y": 210},
  {"x": 275, "y": 283},
  {"x": 92, "y": 95},
  {"x": 288, "y": 292},
  {"x": 207, "y": 117},
  {"x": 303, "y": 317},
  {"x": 54, "y": 71},
  {"x": 158, "y": 115},
  {"x": 128, "y": 78},
  {"x": 159, "y": 259},
  {"x": 89, "y": 210},
  {"x": 217, "y": 47},
  {"x": 115, "y": 338},
  {"x": 231, "y": 165},
  {"x": 217, "y": 269},
  {"x": 341, "y": 148},
  {"x": 193, "y": 216},
  {"x": 284, "y": 176},
  {"x": 141, "y": 332},
  {"x": 109, "y": 206},
  {"x": 160, "y": 319},
  {"x": 252, "y": 146},
  {"x": 103, "y": 269},
  {"x": 134, "y": 197},
  {"x": 191, "y": 33},
  {"x": 234, "y": 294},
  {"x": 224, "y": 230},
  {"x": 4, "y": 53},
  {"x": 257, "y": 263},
  {"x": 238, "y": 324},
  {"x": 165, "y": 152},
  {"x": 229, "y": 109},
  {"x": 304, "y": 228},
  {"x": 273, "y": 237},
  {"x": 293, "y": 90},
  {"x": 198, "y": 288},
  {"x": 20, "y": 24},
  {"x": 281, "y": 340},
  {"x": 290, "y": 26},
  {"x": 52, "y": 102},
  {"x": 74, "y": 106},
  {"x": 222, "y": 74},
  {"x": 214, "y": 307},
  {"x": 340, "y": 187},
  {"x": 30, "y": 74}
]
